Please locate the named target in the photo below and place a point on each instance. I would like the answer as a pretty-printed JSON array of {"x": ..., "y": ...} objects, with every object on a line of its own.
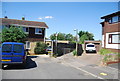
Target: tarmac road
[
  {"x": 43, "y": 68},
  {"x": 66, "y": 67}
]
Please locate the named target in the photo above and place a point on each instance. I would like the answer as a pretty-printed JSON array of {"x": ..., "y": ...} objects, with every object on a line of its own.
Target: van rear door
[
  {"x": 18, "y": 53},
  {"x": 6, "y": 53}
]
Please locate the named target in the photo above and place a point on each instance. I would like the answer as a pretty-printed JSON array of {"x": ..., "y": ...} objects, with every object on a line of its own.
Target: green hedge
[{"x": 40, "y": 48}]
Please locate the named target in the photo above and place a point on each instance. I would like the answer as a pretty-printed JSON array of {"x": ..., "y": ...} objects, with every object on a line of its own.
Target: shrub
[
  {"x": 74, "y": 53},
  {"x": 110, "y": 57},
  {"x": 40, "y": 48},
  {"x": 105, "y": 51}
]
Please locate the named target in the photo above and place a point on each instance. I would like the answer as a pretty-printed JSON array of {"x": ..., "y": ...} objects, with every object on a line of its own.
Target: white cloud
[
  {"x": 48, "y": 17},
  {"x": 40, "y": 18}
]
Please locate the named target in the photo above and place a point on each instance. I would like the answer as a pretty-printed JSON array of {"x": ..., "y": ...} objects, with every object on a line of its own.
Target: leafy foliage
[
  {"x": 105, "y": 51},
  {"x": 74, "y": 53},
  {"x": 85, "y": 35},
  {"x": 40, "y": 48},
  {"x": 83, "y": 38},
  {"x": 69, "y": 37},
  {"x": 13, "y": 34},
  {"x": 62, "y": 36}
]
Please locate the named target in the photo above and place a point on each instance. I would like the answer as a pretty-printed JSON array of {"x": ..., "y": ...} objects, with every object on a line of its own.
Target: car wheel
[{"x": 2, "y": 66}]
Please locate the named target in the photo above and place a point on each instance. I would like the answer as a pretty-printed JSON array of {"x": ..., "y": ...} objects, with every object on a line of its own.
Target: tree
[
  {"x": 69, "y": 37},
  {"x": 83, "y": 38},
  {"x": 60, "y": 36},
  {"x": 85, "y": 35},
  {"x": 52, "y": 37},
  {"x": 81, "y": 33},
  {"x": 13, "y": 34},
  {"x": 90, "y": 35}
]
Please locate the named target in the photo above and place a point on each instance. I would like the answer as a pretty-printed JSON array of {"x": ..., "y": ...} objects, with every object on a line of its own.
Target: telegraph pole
[{"x": 56, "y": 41}]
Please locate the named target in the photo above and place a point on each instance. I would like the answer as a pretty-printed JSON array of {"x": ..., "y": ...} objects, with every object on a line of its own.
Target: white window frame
[
  {"x": 117, "y": 39},
  {"x": 111, "y": 39},
  {"x": 25, "y": 30},
  {"x": 38, "y": 32},
  {"x": 27, "y": 45}
]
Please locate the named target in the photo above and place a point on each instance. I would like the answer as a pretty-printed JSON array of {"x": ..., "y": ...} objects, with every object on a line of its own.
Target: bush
[
  {"x": 40, "y": 48},
  {"x": 105, "y": 51},
  {"x": 109, "y": 56},
  {"x": 74, "y": 53}
]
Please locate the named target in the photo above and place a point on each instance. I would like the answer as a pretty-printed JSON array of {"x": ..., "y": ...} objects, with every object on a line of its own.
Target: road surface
[{"x": 44, "y": 67}]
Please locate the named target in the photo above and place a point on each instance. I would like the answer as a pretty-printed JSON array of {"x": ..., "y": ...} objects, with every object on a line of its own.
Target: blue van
[{"x": 13, "y": 53}]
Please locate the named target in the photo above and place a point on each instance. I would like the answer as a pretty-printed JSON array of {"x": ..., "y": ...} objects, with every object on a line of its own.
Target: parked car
[
  {"x": 90, "y": 48},
  {"x": 48, "y": 49},
  {"x": 13, "y": 53}
]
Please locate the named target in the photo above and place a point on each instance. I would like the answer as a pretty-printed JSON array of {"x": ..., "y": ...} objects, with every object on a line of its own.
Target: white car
[
  {"x": 90, "y": 48},
  {"x": 48, "y": 49}
]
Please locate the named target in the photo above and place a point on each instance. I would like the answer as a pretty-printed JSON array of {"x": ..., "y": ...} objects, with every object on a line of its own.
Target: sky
[{"x": 62, "y": 17}]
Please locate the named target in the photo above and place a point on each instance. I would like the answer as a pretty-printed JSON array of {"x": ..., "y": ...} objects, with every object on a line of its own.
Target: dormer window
[{"x": 38, "y": 31}]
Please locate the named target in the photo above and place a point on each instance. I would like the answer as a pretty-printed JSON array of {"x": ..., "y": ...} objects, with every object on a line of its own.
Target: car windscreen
[
  {"x": 18, "y": 48},
  {"x": 7, "y": 48},
  {"x": 90, "y": 45}
]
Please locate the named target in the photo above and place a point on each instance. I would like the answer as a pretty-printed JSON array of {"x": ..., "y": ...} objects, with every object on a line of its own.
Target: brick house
[
  {"x": 111, "y": 32},
  {"x": 35, "y": 30}
]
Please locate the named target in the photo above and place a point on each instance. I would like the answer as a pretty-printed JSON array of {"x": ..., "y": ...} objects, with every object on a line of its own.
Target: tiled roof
[{"x": 7, "y": 21}]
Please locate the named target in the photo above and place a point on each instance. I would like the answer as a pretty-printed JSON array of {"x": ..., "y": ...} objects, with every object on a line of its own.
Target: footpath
[{"x": 89, "y": 63}]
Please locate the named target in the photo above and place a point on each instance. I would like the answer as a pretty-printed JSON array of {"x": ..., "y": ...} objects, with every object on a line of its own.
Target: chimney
[
  {"x": 23, "y": 18},
  {"x": 5, "y": 17}
]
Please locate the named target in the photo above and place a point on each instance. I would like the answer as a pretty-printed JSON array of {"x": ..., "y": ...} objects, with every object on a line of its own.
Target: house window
[
  {"x": 110, "y": 20},
  {"x": 26, "y": 30},
  {"x": 119, "y": 18},
  {"x": 114, "y": 38},
  {"x": 27, "y": 45},
  {"x": 6, "y": 26},
  {"x": 38, "y": 31},
  {"x": 114, "y": 19}
]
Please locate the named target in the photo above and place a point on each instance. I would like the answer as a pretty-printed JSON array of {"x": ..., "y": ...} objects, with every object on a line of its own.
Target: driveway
[{"x": 89, "y": 63}]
